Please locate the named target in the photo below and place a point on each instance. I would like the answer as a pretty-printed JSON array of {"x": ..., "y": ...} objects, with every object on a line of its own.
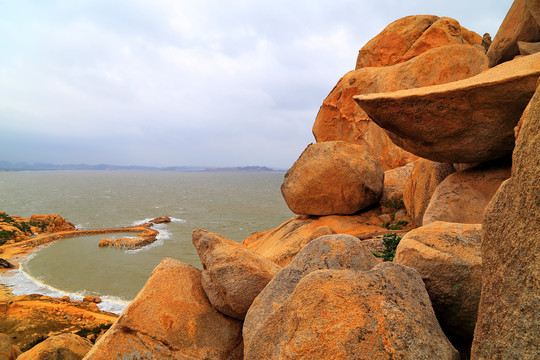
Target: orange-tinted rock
[
  {"x": 394, "y": 183},
  {"x": 161, "y": 220},
  {"x": 171, "y": 317},
  {"x": 447, "y": 257},
  {"x": 52, "y": 223},
  {"x": 469, "y": 120},
  {"x": 534, "y": 8},
  {"x": 518, "y": 25},
  {"x": 8, "y": 351},
  {"x": 384, "y": 313},
  {"x": 507, "y": 326},
  {"x": 462, "y": 196},
  {"x": 283, "y": 243},
  {"x": 528, "y": 48},
  {"x": 340, "y": 118},
  {"x": 233, "y": 275},
  {"x": 409, "y": 36},
  {"x": 327, "y": 252},
  {"x": 424, "y": 179},
  {"x": 59, "y": 347},
  {"x": 331, "y": 178}
]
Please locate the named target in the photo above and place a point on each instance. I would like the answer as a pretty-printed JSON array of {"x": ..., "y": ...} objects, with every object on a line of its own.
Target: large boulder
[
  {"x": 338, "y": 252},
  {"x": 384, "y": 313},
  {"x": 465, "y": 121},
  {"x": 59, "y": 347},
  {"x": 447, "y": 257},
  {"x": 424, "y": 179},
  {"x": 171, "y": 317},
  {"x": 409, "y": 36},
  {"x": 333, "y": 178},
  {"x": 233, "y": 275},
  {"x": 8, "y": 350},
  {"x": 518, "y": 25},
  {"x": 507, "y": 326},
  {"x": 340, "y": 118},
  {"x": 463, "y": 195},
  {"x": 283, "y": 243},
  {"x": 394, "y": 184}
]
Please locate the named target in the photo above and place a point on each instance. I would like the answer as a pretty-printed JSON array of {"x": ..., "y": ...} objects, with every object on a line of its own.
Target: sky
[{"x": 185, "y": 83}]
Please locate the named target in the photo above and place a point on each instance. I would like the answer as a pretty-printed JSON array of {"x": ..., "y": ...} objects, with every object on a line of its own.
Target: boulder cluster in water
[{"x": 463, "y": 283}]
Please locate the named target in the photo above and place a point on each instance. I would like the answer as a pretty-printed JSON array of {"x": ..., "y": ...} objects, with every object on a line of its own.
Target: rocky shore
[{"x": 417, "y": 231}]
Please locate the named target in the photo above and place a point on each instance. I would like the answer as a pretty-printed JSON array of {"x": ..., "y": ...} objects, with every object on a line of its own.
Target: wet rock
[
  {"x": 507, "y": 326},
  {"x": 424, "y": 179},
  {"x": 171, "y": 317},
  {"x": 447, "y": 257},
  {"x": 333, "y": 178},
  {"x": 6, "y": 264},
  {"x": 59, "y": 347},
  {"x": 233, "y": 275},
  {"x": 462, "y": 196},
  {"x": 327, "y": 252},
  {"x": 455, "y": 122},
  {"x": 384, "y": 313}
]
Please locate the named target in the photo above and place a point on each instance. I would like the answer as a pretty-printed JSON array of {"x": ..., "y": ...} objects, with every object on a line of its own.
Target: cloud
[{"x": 169, "y": 82}]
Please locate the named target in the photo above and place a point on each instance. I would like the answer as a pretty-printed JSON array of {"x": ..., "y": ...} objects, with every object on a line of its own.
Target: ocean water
[{"x": 232, "y": 204}]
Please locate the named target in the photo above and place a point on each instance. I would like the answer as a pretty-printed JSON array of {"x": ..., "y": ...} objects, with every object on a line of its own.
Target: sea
[{"x": 233, "y": 204}]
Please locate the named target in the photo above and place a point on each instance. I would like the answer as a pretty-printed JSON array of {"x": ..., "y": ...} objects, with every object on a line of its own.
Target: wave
[
  {"x": 160, "y": 238},
  {"x": 22, "y": 283}
]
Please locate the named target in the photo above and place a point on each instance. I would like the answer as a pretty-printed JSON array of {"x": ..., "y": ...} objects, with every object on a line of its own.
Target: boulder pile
[{"x": 412, "y": 163}]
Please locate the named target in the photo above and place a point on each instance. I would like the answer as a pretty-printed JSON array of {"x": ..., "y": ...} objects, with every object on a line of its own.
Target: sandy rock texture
[
  {"x": 233, "y": 275},
  {"x": 455, "y": 122},
  {"x": 59, "y": 347},
  {"x": 171, "y": 317},
  {"x": 507, "y": 326},
  {"x": 389, "y": 316},
  {"x": 333, "y": 178},
  {"x": 447, "y": 257},
  {"x": 462, "y": 196},
  {"x": 338, "y": 251},
  {"x": 394, "y": 183},
  {"x": 340, "y": 118},
  {"x": 426, "y": 175},
  {"x": 8, "y": 350}
]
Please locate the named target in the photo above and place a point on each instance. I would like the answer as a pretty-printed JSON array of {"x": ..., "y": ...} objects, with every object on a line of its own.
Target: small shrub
[
  {"x": 385, "y": 225},
  {"x": 390, "y": 242},
  {"x": 6, "y": 235},
  {"x": 395, "y": 204},
  {"x": 33, "y": 343},
  {"x": 6, "y": 218},
  {"x": 402, "y": 222},
  {"x": 394, "y": 227},
  {"x": 84, "y": 332}
]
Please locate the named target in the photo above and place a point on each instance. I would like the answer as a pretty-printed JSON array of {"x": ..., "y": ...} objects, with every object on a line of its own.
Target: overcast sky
[{"x": 172, "y": 82}]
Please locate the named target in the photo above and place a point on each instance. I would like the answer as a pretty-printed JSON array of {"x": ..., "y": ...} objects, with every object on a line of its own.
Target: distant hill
[{"x": 8, "y": 166}]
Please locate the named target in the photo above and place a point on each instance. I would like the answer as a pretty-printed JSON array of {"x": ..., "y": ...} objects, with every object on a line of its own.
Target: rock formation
[
  {"x": 447, "y": 257},
  {"x": 333, "y": 178},
  {"x": 339, "y": 117},
  {"x": 233, "y": 275},
  {"x": 455, "y": 122},
  {"x": 507, "y": 326},
  {"x": 394, "y": 183},
  {"x": 59, "y": 347},
  {"x": 8, "y": 351}
]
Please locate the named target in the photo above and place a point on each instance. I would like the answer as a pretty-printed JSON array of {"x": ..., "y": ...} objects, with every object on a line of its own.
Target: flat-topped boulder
[
  {"x": 333, "y": 178},
  {"x": 340, "y": 118},
  {"x": 233, "y": 275},
  {"x": 470, "y": 120}
]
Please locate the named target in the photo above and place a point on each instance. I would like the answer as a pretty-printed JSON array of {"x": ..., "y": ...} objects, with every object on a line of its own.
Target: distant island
[{"x": 22, "y": 166}]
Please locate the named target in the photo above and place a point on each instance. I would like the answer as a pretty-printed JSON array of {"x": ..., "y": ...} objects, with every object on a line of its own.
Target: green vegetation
[
  {"x": 397, "y": 226},
  {"x": 33, "y": 343},
  {"x": 6, "y": 218},
  {"x": 390, "y": 242},
  {"x": 84, "y": 332},
  {"x": 395, "y": 204},
  {"x": 6, "y": 235},
  {"x": 39, "y": 223}
]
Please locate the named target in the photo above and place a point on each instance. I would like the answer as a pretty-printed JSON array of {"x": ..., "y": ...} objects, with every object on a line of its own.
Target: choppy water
[{"x": 233, "y": 204}]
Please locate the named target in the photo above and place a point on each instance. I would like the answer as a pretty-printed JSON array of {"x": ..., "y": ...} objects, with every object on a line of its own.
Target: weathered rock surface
[
  {"x": 455, "y": 122},
  {"x": 59, "y": 347},
  {"x": 518, "y": 25},
  {"x": 233, "y": 275},
  {"x": 389, "y": 316},
  {"x": 394, "y": 183},
  {"x": 338, "y": 252},
  {"x": 171, "y": 317},
  {"x": 528, "y": 48},
  {"x": 8, "y": 351},
  {"x": 462, "y": 196},
  {"x": 447, "y": 257},
  {"x": 283, "y": 243},
  {"x": 340, "y": 118},
  {"x": 424, "y": 179},
  {"x": 409, "y": 36},
  {"x": 333, "y": 178},
  {"x": 507, "y": 326}
]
